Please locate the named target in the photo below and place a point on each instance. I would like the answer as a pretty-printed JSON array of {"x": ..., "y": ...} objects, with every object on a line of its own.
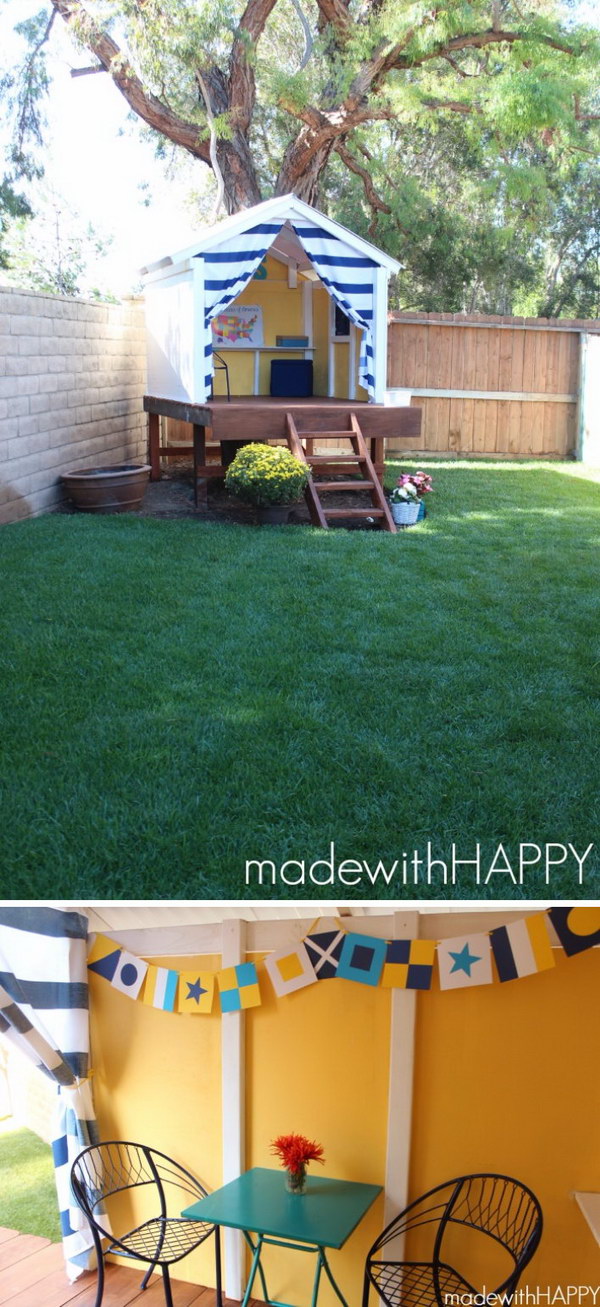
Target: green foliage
[
  {"x": 12, "y": 205},
  {"x": 266, "y": 474},
  {"x": 52, "y": 251},
  {"x": 470, "y": 146}
]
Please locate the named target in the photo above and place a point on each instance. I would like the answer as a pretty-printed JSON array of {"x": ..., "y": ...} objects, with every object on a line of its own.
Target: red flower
[{"x": 295, "y": 1151}]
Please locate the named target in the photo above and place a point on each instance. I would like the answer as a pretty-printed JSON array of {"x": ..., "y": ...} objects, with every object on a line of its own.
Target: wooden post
[
  {"x": 233, "y": 951},
  {"x": 402, "y": 1055},
  {"x": 154, "y": 446},
  {"x": 200, "y": 490}
]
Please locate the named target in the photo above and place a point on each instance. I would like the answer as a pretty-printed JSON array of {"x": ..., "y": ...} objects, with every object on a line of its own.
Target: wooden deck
[{"x": 32, "y": 1274}]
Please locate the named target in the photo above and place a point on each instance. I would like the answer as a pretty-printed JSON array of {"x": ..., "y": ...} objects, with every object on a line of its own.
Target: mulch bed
[{"x": 173, "y": 497}]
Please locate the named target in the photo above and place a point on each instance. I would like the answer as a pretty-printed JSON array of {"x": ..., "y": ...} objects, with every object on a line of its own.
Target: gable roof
[{"x": 280, "y": 206}]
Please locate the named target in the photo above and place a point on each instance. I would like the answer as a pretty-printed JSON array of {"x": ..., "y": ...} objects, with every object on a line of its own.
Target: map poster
[{"x": 238, "y": 327}]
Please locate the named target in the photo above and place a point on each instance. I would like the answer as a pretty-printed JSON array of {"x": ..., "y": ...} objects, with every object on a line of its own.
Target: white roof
[{"x": 287, "y": 207}]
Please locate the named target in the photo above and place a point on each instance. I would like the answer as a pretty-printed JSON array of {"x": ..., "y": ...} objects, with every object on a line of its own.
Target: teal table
[{"x": 324, "y": 1216}]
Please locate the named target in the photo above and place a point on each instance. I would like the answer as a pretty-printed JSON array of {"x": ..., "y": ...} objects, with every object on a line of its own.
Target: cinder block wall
[{"x": 72, "y": 376}]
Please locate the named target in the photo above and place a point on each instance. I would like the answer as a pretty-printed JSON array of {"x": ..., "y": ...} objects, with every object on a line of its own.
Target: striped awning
[{"x": 348, "y": 275}]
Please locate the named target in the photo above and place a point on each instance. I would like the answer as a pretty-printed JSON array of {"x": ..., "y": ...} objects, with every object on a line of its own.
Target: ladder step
[
  {"x": 343, "y": 485},
  {"x": 326, "y": 435},
  {"x": 354, "y": 512},
  {"x": 330, "y": 459}
]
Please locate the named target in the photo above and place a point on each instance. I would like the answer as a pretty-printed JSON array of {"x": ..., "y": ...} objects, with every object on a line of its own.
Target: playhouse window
[{"x": 341, "y": 323}]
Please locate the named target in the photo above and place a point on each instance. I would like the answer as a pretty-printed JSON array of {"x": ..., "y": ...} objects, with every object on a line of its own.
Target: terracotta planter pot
[{"x": 117, "y": 489}]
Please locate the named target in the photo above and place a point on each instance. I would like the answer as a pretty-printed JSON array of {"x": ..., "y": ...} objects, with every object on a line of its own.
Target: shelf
[
  {"x": 589, "y": 1204},
  {"x": 267, "y": 349}
]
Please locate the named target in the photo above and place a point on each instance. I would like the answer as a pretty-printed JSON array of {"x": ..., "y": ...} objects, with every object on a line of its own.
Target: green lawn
[
  {"x": 179, "y": 697},
  {"x": 28, "y": 1201}
]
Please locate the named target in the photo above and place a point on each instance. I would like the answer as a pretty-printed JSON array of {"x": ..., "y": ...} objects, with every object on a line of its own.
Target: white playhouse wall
[{"x": 173, "y": 323}]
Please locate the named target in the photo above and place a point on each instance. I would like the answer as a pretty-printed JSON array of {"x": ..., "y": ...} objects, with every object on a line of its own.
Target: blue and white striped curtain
[
  {"x": 348, "y": 276},
  {"x": 350, "y": 280},
  {"x": 44, "y": 1013},
  {"x": 227, "y": 270}
]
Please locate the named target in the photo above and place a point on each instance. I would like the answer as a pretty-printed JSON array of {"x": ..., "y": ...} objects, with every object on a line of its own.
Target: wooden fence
[
  {"x": 488, "y": 385},
  {"x": 502, "y": 387}
]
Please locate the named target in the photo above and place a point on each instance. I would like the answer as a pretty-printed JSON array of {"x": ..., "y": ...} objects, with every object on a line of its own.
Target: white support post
[
  {"x": 380, "y": 334},
  {"x": 400, "y": 1099},
  {"x": 233, "y": 951}
]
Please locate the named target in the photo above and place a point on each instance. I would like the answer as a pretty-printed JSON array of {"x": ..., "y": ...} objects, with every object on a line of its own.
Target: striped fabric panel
[
  {"x": 227, "y": 270},
  {"x": 45, "y": 974},
  {"x": 44, "y": 1013},
  {"x": 76, "y": 1128},
  {"x": 350, "y": 280}
]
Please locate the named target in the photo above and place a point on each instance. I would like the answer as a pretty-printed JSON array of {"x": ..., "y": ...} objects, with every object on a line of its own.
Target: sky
[{"x": 97, "y": 162}]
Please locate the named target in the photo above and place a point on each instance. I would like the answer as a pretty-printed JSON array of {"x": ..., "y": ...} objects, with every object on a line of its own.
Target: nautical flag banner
[
  {"x": 290, "y": 969},
  {"x": 227, "y": 270},
  {"x": 577, "y": 928},
  {"x": 362, "y": 959},
  {"x": 409, "y": 964},
  {"x": 350, "y": 280},
  {"x": 160, "y": 989},
  {"x": 522, "y": 948},
  {"x": 324, "y": 950},
  {"x": 129, "y": 974},
  {"x": 466, "y": 960},
  {"x": 196, "y": 992},
  {"x": 103, "y": 956},
  {"x": 238, "y": 987}
]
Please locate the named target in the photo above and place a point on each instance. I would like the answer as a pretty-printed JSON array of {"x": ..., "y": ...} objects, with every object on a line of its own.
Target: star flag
[
  {"x": 522, "y": 948},
  {"x": 196, "y": 991},
  {"x": 238, "y": 987},
  {"x": 103, "y": 956},
  {"x": 324, "y": 950},
  {"x": 577, "y": 928},
  {"x": 129, "y": 974},
  {"x": 290, "y": 969},
  {"x": 160, "y": 989},
  {"x": 409, "y": 964},
  {"x": 465, "y": 960},
  {"x": 362, "y": 959}
]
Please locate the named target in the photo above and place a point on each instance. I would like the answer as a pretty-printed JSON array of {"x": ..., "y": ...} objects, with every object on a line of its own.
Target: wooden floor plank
[
  {"x": 15, "y": 1250},
  {"x": 30, "y": 1271},
  {"x": 36, "y": 1277}
]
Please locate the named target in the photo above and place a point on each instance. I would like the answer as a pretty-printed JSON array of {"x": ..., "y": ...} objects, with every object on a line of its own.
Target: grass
[
  {"x": 179, "y": 697},
  {"x": 28, "y": 1201}
]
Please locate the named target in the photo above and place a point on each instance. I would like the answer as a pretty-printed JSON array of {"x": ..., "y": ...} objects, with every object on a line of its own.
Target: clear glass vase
[{"x": 295, "y": 1181}]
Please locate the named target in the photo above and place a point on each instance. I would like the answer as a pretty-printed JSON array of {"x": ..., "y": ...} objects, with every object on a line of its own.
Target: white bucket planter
[{"x": 406, "y": 513}]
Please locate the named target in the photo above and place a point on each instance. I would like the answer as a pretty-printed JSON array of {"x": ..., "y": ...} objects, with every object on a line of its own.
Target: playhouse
[{"x": 277, "y": 311}]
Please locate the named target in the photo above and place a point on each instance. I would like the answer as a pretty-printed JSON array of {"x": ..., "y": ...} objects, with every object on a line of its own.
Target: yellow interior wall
[
  {"x": 283, "y": 314},
  {"x": 157, "y": 1081},
  {"x": 506, "y": 1079},
  {"x": 318, "y": 1065}
]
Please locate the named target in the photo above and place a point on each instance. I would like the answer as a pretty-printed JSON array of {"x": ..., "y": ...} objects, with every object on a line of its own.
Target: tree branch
[
  {"x": 374, "y": 199},
  {"x": 147, "y": 106},
  {"x": 242, "y": 83}
]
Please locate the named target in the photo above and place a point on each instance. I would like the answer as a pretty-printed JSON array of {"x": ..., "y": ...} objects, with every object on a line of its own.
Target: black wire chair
[
  {"x": 104, "y": 1170},
  {"x": 496, "y": 1206},
  {"x": 220, "y": 365}
]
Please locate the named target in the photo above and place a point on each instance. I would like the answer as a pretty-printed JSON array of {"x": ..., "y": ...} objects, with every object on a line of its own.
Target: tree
[
  {"x": 268, "y": 92},
  {"x": 52, "y": 250},
  {"x": 452, "y": 133}
]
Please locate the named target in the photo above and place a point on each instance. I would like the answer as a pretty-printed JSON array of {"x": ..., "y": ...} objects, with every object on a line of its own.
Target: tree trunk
[
  {"x": 303, "y": 165},
  {"x": 239, "y": 175}
]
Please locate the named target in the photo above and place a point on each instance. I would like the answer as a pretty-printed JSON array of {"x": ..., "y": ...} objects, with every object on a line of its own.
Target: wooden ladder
[{"x": 331, "y": 465}]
